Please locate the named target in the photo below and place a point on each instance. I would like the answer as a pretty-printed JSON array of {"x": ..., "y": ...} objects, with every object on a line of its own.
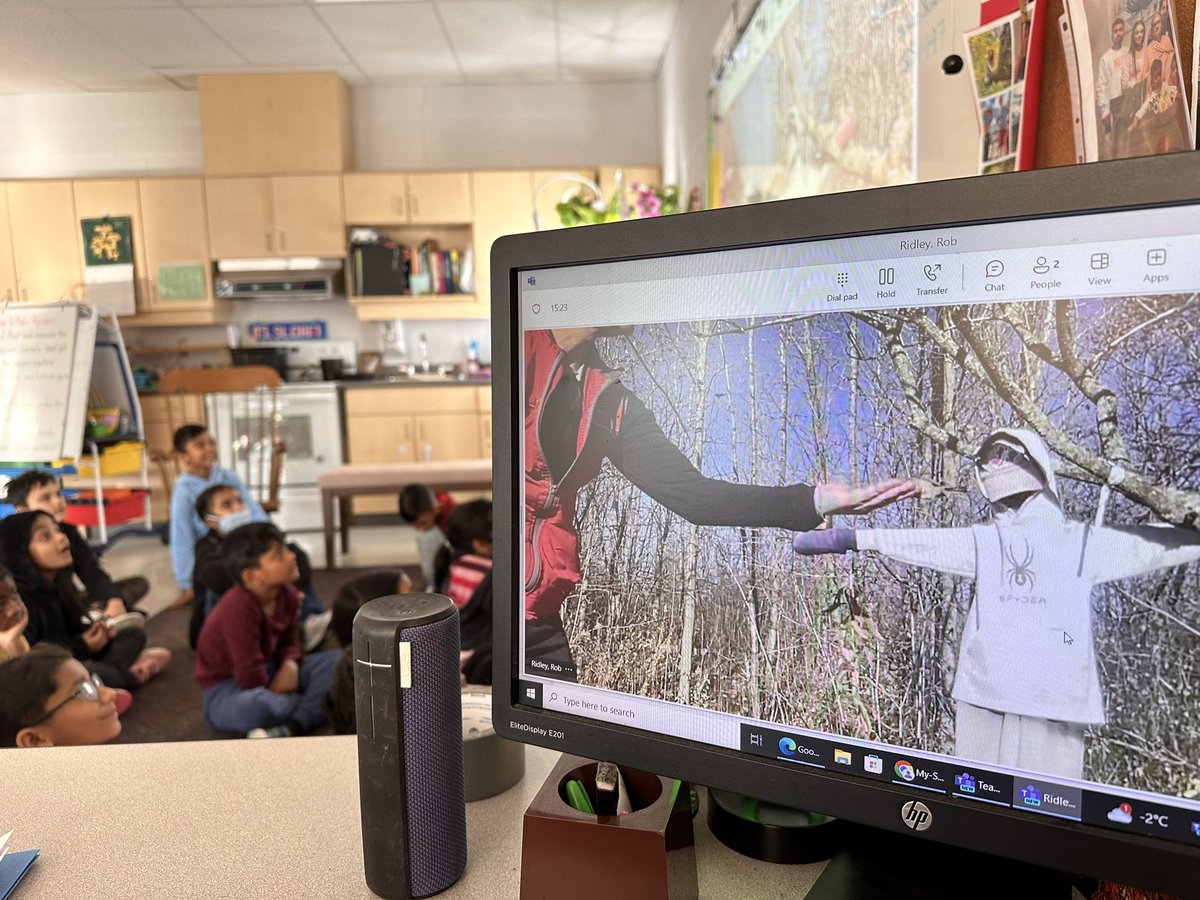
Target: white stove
[{"x": 309, "y": 422}]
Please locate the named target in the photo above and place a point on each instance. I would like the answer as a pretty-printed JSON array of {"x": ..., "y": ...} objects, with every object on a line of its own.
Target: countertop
[
  {"x": 265, "y": 819},
  {"x": 365, "y": 383}
]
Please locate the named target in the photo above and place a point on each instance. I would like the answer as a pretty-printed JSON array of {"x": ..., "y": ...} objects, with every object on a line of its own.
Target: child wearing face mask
[
  {"x": 39, "y": 556},
  {"x": 222, "y": 509}
]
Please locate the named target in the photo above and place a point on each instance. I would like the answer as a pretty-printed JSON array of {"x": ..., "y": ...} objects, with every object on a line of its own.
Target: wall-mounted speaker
[{"x": 408, "y": 703}]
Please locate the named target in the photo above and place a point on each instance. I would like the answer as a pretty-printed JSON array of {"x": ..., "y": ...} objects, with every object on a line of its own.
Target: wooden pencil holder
[{"x": 648, "y": 854}]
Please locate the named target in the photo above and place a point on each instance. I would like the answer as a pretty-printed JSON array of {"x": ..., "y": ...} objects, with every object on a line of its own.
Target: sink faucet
[{"x": 423, "y": 354}]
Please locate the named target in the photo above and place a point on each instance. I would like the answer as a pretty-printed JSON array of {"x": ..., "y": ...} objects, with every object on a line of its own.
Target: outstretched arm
[
  {"x": 950, "y": 550},
  {"x": 1126, "y": 552},
  {"x": 647, "y": 457}
]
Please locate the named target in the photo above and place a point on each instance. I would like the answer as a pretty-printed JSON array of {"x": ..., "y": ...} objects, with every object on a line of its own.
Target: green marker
[{"x": 578, "y": 798}]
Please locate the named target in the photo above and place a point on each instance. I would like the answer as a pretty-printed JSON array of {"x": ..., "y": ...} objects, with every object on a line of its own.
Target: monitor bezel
[{"x": 1068, "y": 846}]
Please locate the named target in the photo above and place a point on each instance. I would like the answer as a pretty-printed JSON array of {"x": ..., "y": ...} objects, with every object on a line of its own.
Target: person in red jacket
[{"x": 577, "y": 414}]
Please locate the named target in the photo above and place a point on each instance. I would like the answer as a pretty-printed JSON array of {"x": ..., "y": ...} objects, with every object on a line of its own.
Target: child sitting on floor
[
  {"x": 429, "y": 514},
  {"x": 48, "y": 699},
  {"x": 197, "y": 454},
  {"x": 464, "y": 573},
  {"x": 39, "y": 555},
  {"x": 221, "y": 508},
  {"x": 13, "y": 618},
  {"x": 339, "y": 702},
  {"x": 249, "y": 664},
  {"x": 35, "y": 490}
]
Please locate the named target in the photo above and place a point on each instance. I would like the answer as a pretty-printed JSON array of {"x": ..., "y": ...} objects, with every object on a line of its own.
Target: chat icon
[{"x": 994, "y": 269}]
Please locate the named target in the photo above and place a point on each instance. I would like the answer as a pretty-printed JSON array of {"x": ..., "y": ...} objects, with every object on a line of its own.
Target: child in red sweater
[{"x": 249, "y": 664}]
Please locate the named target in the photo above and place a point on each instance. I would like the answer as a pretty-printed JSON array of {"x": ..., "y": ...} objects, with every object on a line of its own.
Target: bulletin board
[{"x": 1056, "y": 133}]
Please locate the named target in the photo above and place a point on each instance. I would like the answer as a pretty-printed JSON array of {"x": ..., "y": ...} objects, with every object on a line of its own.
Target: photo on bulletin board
[
  {"x": 1000, "y": 53},
  {"x": 1131, "y": 79}
]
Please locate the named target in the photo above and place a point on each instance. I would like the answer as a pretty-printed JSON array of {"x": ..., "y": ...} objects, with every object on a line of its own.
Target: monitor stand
[{"x": 876, "y": 863}]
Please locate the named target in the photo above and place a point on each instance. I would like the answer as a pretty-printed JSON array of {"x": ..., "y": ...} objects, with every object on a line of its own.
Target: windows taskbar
[{"x": 970, "y": 783}]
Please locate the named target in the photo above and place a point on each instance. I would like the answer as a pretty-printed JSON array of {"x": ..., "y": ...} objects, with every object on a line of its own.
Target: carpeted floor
[{"x": 169, "y": 708}]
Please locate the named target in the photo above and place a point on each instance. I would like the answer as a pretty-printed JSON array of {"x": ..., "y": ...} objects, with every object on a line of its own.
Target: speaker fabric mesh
[{"x": 432, "y": 733}]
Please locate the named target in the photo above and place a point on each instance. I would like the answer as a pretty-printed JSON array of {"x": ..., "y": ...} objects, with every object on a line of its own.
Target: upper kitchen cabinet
[
  {"x": 104, "y": 198},
  {"x": 503, "y": 205},
  {"x": 275, "y": 123},
  {"x": 398, "y": 198},
  {"x": 47, "y": 243},
  {"x": 8, "y": 270},
  {"x": 175, "y": 234},
  {"x": 287, "y": 215}
]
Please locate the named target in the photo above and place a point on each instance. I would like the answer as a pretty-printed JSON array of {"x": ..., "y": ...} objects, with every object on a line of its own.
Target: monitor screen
[{"x": 851, "y": 500}]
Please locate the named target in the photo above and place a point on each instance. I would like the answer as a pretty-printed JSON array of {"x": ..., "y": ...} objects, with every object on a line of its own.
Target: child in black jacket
[{"x": 39, "y": 555}]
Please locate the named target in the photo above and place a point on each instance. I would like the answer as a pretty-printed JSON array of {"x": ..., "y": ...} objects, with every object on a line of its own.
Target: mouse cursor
[{"x": 1067, "y": 639}]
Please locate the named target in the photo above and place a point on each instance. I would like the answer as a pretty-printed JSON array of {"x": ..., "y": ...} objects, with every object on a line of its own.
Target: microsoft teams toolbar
[
  {"x": 1108, "y": 254},
  {"x": 973, "y": 784}
]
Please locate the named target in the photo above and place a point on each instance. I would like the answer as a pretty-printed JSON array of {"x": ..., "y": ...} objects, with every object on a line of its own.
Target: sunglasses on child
[
  {"x": 998, "y": 454},
  {"x": 89, "y": 690}
]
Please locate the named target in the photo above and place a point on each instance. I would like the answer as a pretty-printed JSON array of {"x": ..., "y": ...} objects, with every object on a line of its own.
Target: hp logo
[{"x": 916, "y": 815}]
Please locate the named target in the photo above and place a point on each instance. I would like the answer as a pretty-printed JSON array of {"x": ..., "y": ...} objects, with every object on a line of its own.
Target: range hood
[{"x": 299, "y": 278}]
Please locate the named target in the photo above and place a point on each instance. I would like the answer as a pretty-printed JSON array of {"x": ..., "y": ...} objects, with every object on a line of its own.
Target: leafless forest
[{"x": 732, "y": 620}]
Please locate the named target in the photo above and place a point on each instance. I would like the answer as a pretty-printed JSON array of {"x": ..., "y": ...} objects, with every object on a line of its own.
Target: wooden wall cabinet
[
  {"x": 275, "y": 123},
  {"x": 410, "y": 424},
  {"x": 285, "y": 215},
  {"x": 174, "y": 231},
  {"x": 47, "y": 243},
  {"x": 503, "y": 205},
  {"x": 8, "y": 269},
  {"x": 412, "y": 198},
  {"x": 102, "y": 197}
]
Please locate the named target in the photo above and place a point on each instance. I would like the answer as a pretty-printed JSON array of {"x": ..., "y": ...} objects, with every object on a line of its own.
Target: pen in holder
[{"x": 647, "y": 854}]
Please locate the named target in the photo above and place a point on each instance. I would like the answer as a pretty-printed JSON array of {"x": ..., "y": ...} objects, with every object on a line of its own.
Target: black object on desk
[{"x": 408, "y": 708}]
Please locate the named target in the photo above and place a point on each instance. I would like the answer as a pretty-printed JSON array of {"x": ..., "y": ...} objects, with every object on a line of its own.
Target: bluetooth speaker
[{"x": 408, "y": 704}]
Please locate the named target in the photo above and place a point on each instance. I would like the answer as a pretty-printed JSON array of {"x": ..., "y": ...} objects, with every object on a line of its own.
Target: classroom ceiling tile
[
  {"x": 501, "y": 40},
  {"x": 60, "y": 45},
  {"x": 389, "y": 42},
  {"x": 275, "y": 35},
  {"x": 613, "y": 38},
  {"x": 164, "y": 37}
]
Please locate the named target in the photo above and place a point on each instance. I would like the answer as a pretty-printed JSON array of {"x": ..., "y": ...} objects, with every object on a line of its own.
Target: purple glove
[{"x": 827, "y": 540}]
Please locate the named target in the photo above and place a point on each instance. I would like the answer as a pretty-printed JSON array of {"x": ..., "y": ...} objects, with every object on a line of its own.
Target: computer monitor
[{"x": 1009, "y": 632}]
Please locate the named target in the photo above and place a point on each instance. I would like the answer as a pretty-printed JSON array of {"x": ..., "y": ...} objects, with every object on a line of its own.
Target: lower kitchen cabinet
[{"x": 413, "y": 424}]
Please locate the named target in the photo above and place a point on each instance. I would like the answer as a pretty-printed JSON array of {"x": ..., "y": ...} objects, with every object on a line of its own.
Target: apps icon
[
  {"x": 1156, "y": 257},
  {"x": 1031, "y": 796},
  {"x": 1122, "y": 814},
  {"x": 842, "y": 757},
  {"x": 965, "y": 782},
  {"x": 873, "y": 764},
  {"x": 905, "y": 769},
  {"x": 787, "y": 746}
]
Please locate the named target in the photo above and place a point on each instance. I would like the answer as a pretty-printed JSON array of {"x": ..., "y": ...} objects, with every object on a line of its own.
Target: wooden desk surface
[{"x": 263, "y": 819}]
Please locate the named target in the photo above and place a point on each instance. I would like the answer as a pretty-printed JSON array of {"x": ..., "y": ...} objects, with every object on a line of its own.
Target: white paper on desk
[{"x": 4, "y": 843}]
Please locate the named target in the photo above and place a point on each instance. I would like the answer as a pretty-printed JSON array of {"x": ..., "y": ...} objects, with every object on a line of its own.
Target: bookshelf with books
[{"x": 407, "y": 238}]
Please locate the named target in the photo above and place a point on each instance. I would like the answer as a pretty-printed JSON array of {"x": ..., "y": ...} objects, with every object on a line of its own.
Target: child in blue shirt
[{"x": 197, "y": 452}]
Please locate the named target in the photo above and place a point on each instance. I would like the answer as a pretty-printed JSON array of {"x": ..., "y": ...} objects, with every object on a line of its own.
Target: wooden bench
[{"x": 352, "y": 480}]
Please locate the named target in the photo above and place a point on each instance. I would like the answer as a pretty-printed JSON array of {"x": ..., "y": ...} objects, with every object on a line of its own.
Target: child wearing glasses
[
  {"x": 1027, "y": 684},
  {"x": 39, "y": 555},
  {"x": 249, "y": 664},
  {"x": 48, "y": 699}
]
